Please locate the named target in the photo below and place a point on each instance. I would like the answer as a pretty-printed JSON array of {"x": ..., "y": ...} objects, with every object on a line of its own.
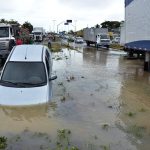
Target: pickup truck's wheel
[{"x": 88, "y": 43}]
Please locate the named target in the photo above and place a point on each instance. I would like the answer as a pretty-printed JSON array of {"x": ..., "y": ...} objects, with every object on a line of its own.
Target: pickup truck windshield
[
  {"x": 37, "y": 33},
  {"x": 104, "y": 36},
  {"x": 4, "y": 32},
  {"x": 24, "y": 73}
]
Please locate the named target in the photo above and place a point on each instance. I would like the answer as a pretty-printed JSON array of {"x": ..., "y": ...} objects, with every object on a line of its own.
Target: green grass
[
  {"x": 3, "y": 142},
  {"x": 136, "y": 131},
  {"x": 142, "y": 110},
  {"x": 56, "y": 47},
  {"x": 105, "y": 147},
  {"x": 116, "y": 46},
  {"x": 105, "y": 126},
  {"x": 131, "y": 114}
]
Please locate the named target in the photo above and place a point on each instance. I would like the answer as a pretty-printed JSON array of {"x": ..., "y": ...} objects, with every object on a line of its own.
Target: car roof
[{"x": 27, "y": 53}]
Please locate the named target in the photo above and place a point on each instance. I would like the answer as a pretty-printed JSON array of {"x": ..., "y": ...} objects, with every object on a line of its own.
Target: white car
[
  {"x": 26, "y": 77},
  {"x": 79, "y": 40},
  {"x": 116, "y": 40}
]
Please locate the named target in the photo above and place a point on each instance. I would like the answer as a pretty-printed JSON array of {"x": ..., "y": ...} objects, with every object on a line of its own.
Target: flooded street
[{"x": 101, "y": 101}]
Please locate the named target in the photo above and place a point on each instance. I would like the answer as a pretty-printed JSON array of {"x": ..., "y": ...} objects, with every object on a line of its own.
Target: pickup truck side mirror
[{"x": 52, "y": 78}]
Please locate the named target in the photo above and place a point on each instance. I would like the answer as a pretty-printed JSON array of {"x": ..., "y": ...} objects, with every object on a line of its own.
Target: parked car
[
  {"x": 116, "y": 40},
  {"x": 26, "y": 77},
  {"x": 79, "y": 40}
]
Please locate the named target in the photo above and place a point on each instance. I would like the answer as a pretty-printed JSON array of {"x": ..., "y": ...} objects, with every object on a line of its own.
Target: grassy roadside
[
  {"x": 57, "y": 47},
  {"x": 116, "y": 46}
]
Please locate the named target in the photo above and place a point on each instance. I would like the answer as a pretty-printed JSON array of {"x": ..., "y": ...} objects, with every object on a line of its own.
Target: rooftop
[{"x": 27, "y": 53}]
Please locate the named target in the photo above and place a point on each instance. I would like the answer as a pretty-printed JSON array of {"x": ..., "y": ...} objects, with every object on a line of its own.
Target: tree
[
  {"x": 97, "y": 26},
  {"x": 71, "y": 32},
  {"x": 110, "y": 25},
  {"x": 3, "y": 20},
  {"x": 12, "y": 21},
  {"x": 79, "y": 33},
  {"x": 28, "y": 25}
]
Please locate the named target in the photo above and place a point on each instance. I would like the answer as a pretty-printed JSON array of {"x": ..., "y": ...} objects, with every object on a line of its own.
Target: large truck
[
  {"x": 90, "y": 36},
  {"x": 7, "y": 39},
  {"x": 38, "y": 34},
  {"x": 137, "y": 29}
]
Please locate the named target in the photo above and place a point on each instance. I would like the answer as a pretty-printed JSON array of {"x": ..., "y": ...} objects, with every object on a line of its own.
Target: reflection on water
[{"x": 101, "y": 97}]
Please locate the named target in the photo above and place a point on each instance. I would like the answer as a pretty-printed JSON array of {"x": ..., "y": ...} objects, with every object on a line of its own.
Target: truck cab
[
  {"x": 7, "y": 40},
  {"x": 104, "y": 40},
  {"x": 38, "y": 37},
  {"x": 38, "y": 34}
]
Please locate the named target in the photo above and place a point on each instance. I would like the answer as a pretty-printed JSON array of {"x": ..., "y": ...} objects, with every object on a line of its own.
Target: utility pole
[
  {"x": 54, "y": 26},
  {"x": 75, "y": 24}
]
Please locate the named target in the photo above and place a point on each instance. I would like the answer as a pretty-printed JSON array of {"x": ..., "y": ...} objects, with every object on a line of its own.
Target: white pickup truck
[{"x": 38, "y": 34}]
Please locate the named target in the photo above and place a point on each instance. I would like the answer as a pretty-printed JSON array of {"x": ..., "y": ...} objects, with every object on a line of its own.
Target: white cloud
[{"x": 42, "y": 13}]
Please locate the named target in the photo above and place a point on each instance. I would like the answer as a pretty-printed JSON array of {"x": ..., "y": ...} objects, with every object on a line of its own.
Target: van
[{"x": 26, "y": 77}]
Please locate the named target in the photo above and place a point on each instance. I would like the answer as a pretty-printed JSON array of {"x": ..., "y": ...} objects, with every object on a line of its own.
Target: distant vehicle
[
  {"x": 79, "y": 40},
  {"x": 116, "y": 40},
  {"x": 90, "y": 36},
  {"x": 66, "y": 37},
  {"x": 7, "y": 39},
  {"x": 38, "y": 34},
  {"x": 71, "y": 39},
  {"x": 27, "y": 76}
]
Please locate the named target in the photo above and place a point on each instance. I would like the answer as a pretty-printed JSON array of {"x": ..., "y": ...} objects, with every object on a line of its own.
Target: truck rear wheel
[
  {"x": 11, "y": 44},
  {"x": 88, "y": 43}
]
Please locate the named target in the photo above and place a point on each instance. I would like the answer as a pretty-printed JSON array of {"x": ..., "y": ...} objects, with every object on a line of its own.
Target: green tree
[
  {"x": 12, "y": 21},
  {"x": 110, "y": 25},
  {"x": 97, "y": 26},
  {"x": 3, "y": 20},
  {"x": 71, "y": 32},
  {"x": 28, "y": 26}
]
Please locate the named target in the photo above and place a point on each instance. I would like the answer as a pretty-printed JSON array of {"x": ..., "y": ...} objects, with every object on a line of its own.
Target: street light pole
[
  {"x": 59, "y": 24},
  {"x": 75, "y": 25},
  {"x": 54, "y": 26}
]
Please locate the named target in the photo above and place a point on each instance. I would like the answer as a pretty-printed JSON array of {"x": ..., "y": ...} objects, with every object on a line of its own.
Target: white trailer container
[
  {"x": 137, "y": 24},
  {"x": 137, "y": 29},
  {"x": 90, "y": 36},
  {"x": 122, "y": 34}
]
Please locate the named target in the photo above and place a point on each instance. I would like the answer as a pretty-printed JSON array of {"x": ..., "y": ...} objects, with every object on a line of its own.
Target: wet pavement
[{"x": 99, "y": 96}]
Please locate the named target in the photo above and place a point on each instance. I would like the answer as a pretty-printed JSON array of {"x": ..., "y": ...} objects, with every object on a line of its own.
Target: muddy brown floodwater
[{"x": 101, "y": 101}]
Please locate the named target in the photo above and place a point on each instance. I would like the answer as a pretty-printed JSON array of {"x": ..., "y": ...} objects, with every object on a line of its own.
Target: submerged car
[{"x": 26, "y": 77}]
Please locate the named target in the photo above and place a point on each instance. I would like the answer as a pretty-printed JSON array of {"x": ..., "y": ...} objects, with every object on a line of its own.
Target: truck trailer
[
  {"x": 90, "y": 36},
  {"x": 136, "y": 27}
]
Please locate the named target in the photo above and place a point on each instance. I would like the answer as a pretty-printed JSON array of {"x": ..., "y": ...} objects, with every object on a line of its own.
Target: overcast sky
[{"x": 43, "y": 12}]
